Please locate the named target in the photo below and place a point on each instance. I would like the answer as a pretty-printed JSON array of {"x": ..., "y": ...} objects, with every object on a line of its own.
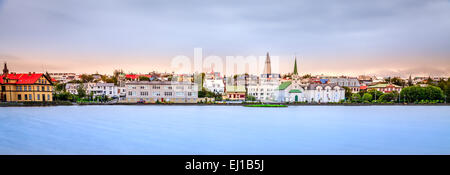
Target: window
[
  {"x": 189, "y": 93},
  {"x": 130, "y": 93},
  {"x": 29, "y": 88},
  {"x": 19, "y": 97},
  {"x": 156, "y": 93},
  {"x": 144, "y": 93},
  {"x": 30, "y": 97},
  {"x": 43, "y": 88},
  {"x": 38, "y": 97},
  {"x": 48, "y": 96},
  {"x": 3, "y": 88},
  {"x": 26, "y": 96},
  {"x": 167, "y": 93}
]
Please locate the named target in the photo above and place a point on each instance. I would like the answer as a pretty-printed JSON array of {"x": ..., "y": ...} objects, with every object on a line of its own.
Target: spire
[
  {"x": 5, "y": 70},
  {"x": 295, "y": 67},
  {"x": 267, "y": 69}
]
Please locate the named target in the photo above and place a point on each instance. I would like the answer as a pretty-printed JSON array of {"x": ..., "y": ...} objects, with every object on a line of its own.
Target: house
[
  {"x": 214, "y": 85},
  {"x": 162, "y": 91},
  {"x": 25, "y": 87},
  {"x": 385, "y": 88},
  {"x": 291, "y": 91},
  {"x": 63, "y": 77},
  {"x": 234, "y": 93},
  {"x": 324, "y": 93},
  {"x": 352, "y": 83}
]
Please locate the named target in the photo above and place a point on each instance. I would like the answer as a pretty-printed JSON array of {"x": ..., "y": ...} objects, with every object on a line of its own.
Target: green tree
[
  {"x": 356, "y": 98},
  {"x": 81, "y": 91},
  {"x": 250, "y": 98},
  {"x": 144, "y": 78},
  {"x": 417, "y": 93},
  {"x": 348, "y": 93},
  {"x": 375, "y": 93},
  {"x": 87, "y": 78},
  {"x": 387, "y": 97},
  {"x": 367, "y": 97}
]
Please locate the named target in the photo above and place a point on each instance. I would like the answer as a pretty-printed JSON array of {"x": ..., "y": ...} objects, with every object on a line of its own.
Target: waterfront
[{"x": 225, "y": 130}]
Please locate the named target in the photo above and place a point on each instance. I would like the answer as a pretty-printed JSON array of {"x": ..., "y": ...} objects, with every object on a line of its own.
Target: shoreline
[{"x": 212, "y": 104}]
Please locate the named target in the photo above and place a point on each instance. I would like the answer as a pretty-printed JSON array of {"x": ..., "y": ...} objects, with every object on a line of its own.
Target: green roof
[
  {"x": 235, "y": 89},
  {"x": 383, "y": 86},
  {"x": 295, "y": 91},
  {"x": 284, "y": 85}
]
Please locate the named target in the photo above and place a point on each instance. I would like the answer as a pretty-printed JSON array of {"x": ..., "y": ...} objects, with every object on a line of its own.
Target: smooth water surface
[{"x": 225, "y": 130}]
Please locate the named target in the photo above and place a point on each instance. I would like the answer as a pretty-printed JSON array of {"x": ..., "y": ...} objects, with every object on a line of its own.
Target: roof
[
  {"x": 235, "y": 89},
  {"x": 284, "y": 85},
  {"x": 323, "y": 81},
  {"x": 295, "y": 91},
  {"x": 383, "y": 86},
  {"x": 22, "y": 78},
  {"x": 134, "y": 76},
  {"x": 363, "y": 87}
]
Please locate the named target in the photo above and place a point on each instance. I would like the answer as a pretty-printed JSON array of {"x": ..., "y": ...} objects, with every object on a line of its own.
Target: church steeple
[
  {"x": 5, "y": 70},
  {"x": 267, "y": 69},
  {"x": 295, "y": 67}
]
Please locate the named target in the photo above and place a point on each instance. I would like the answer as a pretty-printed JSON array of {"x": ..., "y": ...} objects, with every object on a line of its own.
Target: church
[{"x": 297, "y": 90}]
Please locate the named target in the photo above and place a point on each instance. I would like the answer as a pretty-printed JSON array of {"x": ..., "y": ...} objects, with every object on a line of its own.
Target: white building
[
  {"x": 214, "y": 85},
  {"x": 266, "y": 89},
  {"x": 63, "y": 77},
  {"x": 292, "y": 91},
  {"x": 97, "y": 89},
  {"x": 162, "y": 91}
]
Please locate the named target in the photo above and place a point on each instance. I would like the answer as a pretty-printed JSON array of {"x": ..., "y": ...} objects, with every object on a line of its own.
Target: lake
[{"x": 152, "y": 129}]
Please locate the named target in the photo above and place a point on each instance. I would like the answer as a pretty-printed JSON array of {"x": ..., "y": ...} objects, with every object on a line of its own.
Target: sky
[{"x": 345, "y": 37}]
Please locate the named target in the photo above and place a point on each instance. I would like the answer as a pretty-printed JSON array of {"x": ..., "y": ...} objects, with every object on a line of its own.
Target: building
[
  {"x": 234, "y": 93},
  {"x": 102, "y": 89},
  {"x": 291, "y": 91},
  {"x": 63, "y": 77},
  {"x": 352, "y": 83},
  {"x": 25, "y": 87},
  {"x": 266, "y": 89},
  {"x": 214, "y": 83},
  {"x": 385, "y": 88},
  {"x": 162, "y": 91}
]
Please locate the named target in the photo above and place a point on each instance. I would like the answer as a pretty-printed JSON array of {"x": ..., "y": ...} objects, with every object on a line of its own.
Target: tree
[
  {"x": 356, "y": 98},
  {"x": 387, "y": 97},
  {"x": 375, "y": 93},
  {"x": 80, "y": 91},
  {"x": 417, "y": 93},
  {"x": 144, "y": 78},
  {"x": 398, "y": 81},
  {"x": 60, "y": 87},
  {"x": 348, "y": 92},
  {"x": 250, "y": 98},
  {"x": 87, "y": 78},
  {"x": 367, "y": 97}
]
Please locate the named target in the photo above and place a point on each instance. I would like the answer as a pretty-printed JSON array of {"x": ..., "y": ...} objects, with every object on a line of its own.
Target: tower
[
  {"x": 295, "y": 67},
  {"x": 5, "y": 70},
  {"x": 267, "y": 69}
]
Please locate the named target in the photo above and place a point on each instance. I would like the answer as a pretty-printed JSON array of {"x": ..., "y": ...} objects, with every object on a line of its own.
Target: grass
[{"x": 266, "y": 105}]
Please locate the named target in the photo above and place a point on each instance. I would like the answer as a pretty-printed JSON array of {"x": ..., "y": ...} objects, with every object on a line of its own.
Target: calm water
[{"x": 225, "y": 130}]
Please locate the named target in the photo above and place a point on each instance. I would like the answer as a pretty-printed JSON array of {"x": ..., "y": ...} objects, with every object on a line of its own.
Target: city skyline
[{"x": 383, "y": 38}]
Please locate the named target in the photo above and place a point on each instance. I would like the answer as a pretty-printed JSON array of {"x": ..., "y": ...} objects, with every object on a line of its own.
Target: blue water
[{"x": 225, "y": 130}]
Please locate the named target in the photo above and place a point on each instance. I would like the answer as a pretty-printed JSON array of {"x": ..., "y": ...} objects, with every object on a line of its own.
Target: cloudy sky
[{"x": 383, "y": 37}]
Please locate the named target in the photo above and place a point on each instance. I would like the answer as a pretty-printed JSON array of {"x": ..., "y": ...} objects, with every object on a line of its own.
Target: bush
[{"x": 367, "y": 97}]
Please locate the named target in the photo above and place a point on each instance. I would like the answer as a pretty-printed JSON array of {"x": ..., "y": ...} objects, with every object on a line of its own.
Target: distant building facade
[{"x": 162, "y": 91}]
